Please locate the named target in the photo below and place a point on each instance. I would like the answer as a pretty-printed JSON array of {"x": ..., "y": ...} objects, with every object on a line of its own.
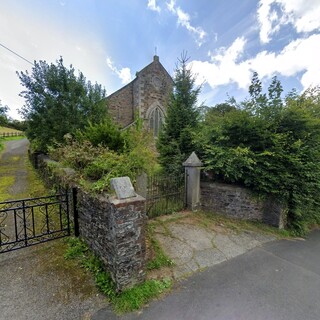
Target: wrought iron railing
[
  {"x": 165, "y": 194},
  {"x": 27, "y": 222}
]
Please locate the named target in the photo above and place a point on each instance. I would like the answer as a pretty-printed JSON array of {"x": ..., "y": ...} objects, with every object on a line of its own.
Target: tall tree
[
  {"x": 57, "y": 101},
  {"x": 175, "y": 142},
  {"x": 266, "y": 106},
  {"x": 257, "y": 100},
  {"x": 3, "y": 114}
]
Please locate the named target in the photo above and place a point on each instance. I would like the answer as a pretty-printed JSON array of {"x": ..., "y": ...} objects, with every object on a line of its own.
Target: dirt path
[
  {"x": 37, "y": 282},
  {"x": 13, "y": 170}
]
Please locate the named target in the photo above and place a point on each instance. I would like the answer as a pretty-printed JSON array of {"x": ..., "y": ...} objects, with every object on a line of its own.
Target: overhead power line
[{"x": 21, "y": 57}]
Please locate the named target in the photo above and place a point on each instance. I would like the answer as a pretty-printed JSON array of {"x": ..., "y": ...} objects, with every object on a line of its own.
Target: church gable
[
  {"x": 147, "y": 95},
  {"x": 120, "y": 105}
]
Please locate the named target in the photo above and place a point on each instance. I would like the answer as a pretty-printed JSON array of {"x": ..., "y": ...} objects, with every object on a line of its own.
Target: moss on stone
[{"x": 6, "y": 183}]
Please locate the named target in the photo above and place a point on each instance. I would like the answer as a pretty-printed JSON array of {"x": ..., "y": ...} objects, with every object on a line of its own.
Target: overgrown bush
[
  {"x": 97, "y": 164},
  {"x": 104, "y": 133},
  {"x": 270, "y": 145},
  {"x": 125, "y": 301},
  {"x": 76, "y": 154}
]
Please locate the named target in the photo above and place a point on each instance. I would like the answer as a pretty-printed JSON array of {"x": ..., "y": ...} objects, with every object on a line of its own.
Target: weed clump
[{"x": 124, "y": 301}]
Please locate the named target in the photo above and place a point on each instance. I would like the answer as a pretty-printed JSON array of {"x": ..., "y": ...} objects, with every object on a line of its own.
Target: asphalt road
[{"x": 278, "y": 281}]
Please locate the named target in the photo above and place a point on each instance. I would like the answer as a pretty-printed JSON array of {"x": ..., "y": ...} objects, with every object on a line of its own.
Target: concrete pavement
[
  {"x": 193, "y": 245},
  {"x": 279, "y": 280}
]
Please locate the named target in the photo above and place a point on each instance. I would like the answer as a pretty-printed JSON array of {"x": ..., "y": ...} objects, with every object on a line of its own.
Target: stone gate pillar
[{"x": 192, "y": 177}]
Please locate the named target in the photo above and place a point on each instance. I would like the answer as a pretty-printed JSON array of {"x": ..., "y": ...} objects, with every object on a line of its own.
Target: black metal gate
[
  {"x": 27, "y": 222},
  {"x": 165, "y": 194}
]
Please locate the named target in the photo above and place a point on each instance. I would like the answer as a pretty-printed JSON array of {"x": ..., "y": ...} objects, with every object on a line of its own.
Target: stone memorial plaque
[{"x": 123, "y": 187}]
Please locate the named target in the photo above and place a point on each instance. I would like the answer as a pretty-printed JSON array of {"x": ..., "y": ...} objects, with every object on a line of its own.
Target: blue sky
[{"x": 110, "y": 40}]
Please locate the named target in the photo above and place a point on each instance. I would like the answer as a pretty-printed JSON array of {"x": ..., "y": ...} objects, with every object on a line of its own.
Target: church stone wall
[
  {"x": 151, "y": 87},
  {"x": 120, "y": 104},
  {"x": 154, "y": 85}
]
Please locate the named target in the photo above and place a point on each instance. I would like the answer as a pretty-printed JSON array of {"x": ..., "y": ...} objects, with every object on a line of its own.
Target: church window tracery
[{"x": 156, "y": 121}]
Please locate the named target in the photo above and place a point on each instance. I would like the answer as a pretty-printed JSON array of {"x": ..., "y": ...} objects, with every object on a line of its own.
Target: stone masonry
[
  {"x": 120, "y": 107},
  {"x": 114, "y": 229},
  {"x": 239, "y": 202},
  {"x": 150, "y": 90},
  {"x": 230, "y": 200}
]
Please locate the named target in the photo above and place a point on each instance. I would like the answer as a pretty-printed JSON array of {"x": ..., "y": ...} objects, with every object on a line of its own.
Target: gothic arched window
[{"x": 156, "y": 120}]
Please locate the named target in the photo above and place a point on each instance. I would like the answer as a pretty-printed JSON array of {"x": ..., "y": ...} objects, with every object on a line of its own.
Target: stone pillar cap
[{"x": 192, "y": 161}]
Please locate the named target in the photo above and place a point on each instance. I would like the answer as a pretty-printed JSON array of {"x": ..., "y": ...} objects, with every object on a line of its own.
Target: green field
[
  {"x": 11, "y": 131},
  {"x": 6, "y": 130}
]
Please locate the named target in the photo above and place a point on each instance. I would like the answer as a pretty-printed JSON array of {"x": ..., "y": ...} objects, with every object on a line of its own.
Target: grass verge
[
  {"x": 4, "y": 139},
  {"x": 140, "y": 295},
  {"x": 34, "y": 184},
  {"x": 238, "y": 225},
  {"x": 6, "y": 183},
  {"x": 125, "y": 301},
  {"x": 158, "y": 258},
  {"x": 7, "y": 130},
  {"x": 219, "y": 223}
]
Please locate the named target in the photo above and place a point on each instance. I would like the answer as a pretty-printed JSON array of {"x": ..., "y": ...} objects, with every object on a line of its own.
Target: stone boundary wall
[
  {"x": 114, "y": 229},
  {"x": 239, "y": 202}
]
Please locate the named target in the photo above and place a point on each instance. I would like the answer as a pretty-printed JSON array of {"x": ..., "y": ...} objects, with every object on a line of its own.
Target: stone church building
[{"x": 147, "y": 96}]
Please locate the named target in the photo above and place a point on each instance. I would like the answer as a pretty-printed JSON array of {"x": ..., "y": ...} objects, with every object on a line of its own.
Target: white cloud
[
  {"x": 311, "y": 78},
  {"x": 226, "y": 67},
  {"x": 230, "y": 54},
  {"x": 267, "y": 19},
  {"x": 223, "y": 68},
  {"x": 184, "y": 20},
  {"x": 152, "y": 5},
  {"x": 124, "y": 74},
  {"x": 273, "y": 14},
  {"x": 44, "y": 41},
  {"x": 171, "y": 5}
]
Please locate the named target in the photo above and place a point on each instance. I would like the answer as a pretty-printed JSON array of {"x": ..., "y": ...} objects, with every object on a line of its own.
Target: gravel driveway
[{"x": 37, "y": 282}]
